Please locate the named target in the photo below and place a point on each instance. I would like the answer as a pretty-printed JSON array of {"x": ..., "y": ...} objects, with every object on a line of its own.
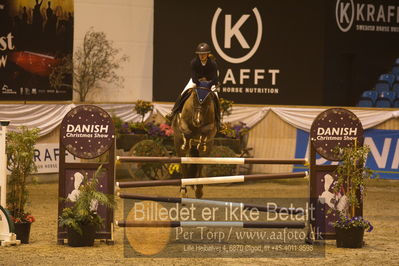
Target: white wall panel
[{"x": 129, "y": 24}]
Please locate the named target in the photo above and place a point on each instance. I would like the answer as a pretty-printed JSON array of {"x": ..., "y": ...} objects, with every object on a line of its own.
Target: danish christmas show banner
[
  {"x": 35, "y": 38},
  {"x": 288, "y": 52}
]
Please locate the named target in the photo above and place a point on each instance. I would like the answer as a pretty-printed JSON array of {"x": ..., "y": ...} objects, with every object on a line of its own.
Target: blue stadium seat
[
  {"x": 385, "y": 99},
  {"x": 382, "y": 86},
  {"x": 389, "y": 78},
  {"x": 395, "y": 70},
  {"x": 395, "y": 87},
  {"x": 396, "y": 103},
  {"x": 370, "y": 94},
  {"x": 368, "y": 98},
  {"x": 365, "y": 103}
]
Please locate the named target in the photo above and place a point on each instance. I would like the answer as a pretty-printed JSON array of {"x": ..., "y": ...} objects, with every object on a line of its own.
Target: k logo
[
  {"x": 231, "y": 31},
  {"x": 345, "y": 14}
]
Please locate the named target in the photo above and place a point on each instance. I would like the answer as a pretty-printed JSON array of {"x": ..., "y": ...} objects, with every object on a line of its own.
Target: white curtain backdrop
[{"x": 47, "y": 117}]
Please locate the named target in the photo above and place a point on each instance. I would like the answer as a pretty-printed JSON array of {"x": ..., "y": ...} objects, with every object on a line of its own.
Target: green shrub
[
  {"x": 150, "y": 148},
  {"x": 220, "y": 169},
  {"x": 21, "y": 163}
]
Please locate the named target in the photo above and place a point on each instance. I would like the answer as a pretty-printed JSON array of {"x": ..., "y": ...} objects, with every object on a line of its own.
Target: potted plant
[
  {"x": 351, "y": 181},
  {"x": 20, "y": 152},
  {"x": 125, "y": 139},
  {"x": 81, "y": 218}
]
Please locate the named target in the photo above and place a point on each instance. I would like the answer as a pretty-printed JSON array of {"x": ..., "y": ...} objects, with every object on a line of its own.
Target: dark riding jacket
[{"x": 209, "y": 71}]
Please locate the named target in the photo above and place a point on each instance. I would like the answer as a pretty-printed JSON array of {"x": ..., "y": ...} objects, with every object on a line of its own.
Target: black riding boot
[{"x": 178, "y": 105}]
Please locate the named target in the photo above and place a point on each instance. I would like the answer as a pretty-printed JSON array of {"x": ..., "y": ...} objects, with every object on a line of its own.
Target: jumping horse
[{"x": 195, "y": 128}]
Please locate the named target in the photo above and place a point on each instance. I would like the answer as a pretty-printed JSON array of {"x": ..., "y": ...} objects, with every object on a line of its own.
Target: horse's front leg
[
  {"x": 185, "y": 133},
  {"x": 185, "y": 144},
  {"x": 202, "y": 143}
]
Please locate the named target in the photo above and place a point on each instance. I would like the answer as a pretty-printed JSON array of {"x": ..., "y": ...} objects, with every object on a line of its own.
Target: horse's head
[{"x": 202, "y": 110}]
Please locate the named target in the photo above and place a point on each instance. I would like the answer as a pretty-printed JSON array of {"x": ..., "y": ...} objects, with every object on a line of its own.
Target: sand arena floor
[{"x": 380, "y": 208}]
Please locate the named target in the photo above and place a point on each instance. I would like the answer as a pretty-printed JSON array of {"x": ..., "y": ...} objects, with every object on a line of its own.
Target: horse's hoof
[
  {"x": 183, "y": 147},
  {"x": 183, "y": 192}
]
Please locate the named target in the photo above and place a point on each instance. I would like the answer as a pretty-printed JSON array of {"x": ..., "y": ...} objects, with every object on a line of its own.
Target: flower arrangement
[
  {"x": 23, "y": 218},
  {"x": 143, "y": 107},
  {"x": 159, "y": 130},
  {"x": 349, "y": 222},
  {"x": 234, "y": 131},
  {"x": 135, "y": 127},
  {"x": 167, "y": 129},
  {"x": 124, "y": 128},
  {"x": 151, "y": 128}
]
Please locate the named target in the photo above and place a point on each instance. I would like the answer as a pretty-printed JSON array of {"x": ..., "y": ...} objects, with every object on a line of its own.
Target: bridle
[{"x": 199, "y": 107}]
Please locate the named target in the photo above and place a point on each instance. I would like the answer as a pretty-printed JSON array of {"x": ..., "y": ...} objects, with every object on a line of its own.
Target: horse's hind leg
[
  {"x": 198, "y": 191},
  {"x": 198, "y": 188}
]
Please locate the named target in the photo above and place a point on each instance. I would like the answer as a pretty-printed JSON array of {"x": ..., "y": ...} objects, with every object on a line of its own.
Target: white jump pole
[
  {"x": 210, "y": 160},
  {"x": 7, "y": 237},
  {"x": 3, "y": 163}
]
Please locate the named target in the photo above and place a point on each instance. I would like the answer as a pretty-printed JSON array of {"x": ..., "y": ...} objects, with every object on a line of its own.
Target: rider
[{"x": 204, "y": 73}]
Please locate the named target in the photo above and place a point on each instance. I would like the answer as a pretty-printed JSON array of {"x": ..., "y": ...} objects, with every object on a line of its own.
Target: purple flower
[
  {"x": 370, "y": 227},
  {"x": 124, "y": 128}
]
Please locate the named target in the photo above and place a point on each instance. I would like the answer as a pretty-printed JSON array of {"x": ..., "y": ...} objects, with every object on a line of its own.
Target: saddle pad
[
  {"x": 205, "y": 84},
  {"x": 202, "y": 94}
]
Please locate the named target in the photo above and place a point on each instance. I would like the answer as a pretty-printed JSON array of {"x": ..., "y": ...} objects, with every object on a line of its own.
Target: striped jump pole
[
  {"x": 210, "y": 160},
  {"x": 210, "y": 180},
  {"x": 211, "y": 224},
  {"x": 202, "y": 202}
]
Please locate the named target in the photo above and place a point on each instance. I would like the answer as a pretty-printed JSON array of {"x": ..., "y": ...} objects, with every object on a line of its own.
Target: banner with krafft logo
[
  {"x": 367, "y": 15},
  {"x": 266, "y": 50},
  {"x": 311, "y": 52}
]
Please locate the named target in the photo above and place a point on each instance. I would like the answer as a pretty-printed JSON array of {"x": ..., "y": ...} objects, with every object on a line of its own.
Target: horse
[{"x": 194, "y": 130}]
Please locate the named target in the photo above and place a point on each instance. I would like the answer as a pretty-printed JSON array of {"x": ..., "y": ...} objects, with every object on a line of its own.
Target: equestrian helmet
[{"x": 203, "y": 48}]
